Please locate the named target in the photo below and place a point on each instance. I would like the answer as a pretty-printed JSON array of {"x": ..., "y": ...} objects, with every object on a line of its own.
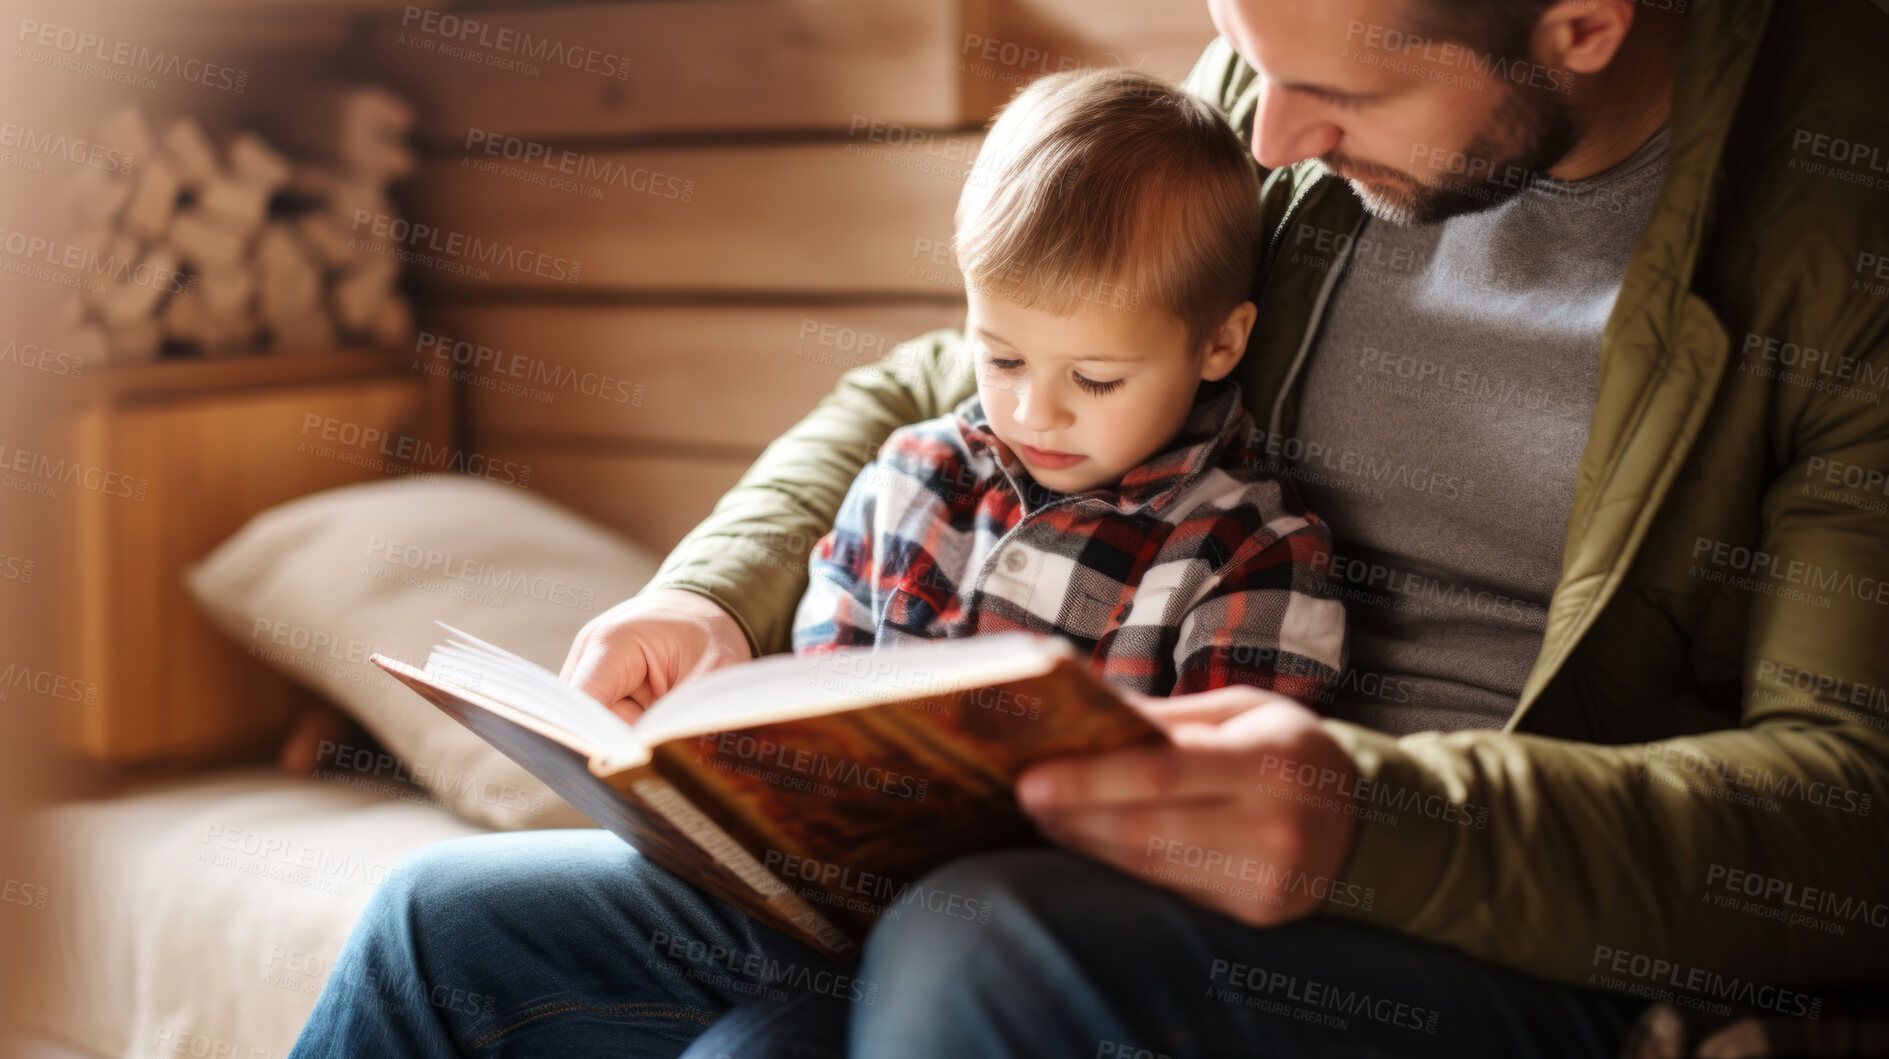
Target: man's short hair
[
  {"x": 1499, "y": 28},
  {"x": 1113, "y": 187}
]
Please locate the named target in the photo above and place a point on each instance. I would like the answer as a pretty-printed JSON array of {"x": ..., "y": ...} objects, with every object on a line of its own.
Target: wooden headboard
[{"x": 186, "y": 454}]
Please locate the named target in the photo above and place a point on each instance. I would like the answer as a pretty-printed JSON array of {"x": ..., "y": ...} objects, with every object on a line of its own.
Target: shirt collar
[{"x": 1214, "y": 423}]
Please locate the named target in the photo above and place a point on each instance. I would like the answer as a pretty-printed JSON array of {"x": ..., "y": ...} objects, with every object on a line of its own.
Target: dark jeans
[{"x": 568, "y": 943}]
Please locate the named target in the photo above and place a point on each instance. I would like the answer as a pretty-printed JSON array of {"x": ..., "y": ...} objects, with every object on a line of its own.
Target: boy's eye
[{"x": 1091, "y": 385}]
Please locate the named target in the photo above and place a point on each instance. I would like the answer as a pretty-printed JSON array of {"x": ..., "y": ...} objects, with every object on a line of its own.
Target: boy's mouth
[{"x": 1050, "y": 458}]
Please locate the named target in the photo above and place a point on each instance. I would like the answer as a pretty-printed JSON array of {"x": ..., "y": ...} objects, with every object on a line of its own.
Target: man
[{"x": 1576, "y": 320}]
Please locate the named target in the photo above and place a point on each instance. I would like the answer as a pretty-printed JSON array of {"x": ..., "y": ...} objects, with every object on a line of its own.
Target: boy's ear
[{"x": 1227, "y": 345}]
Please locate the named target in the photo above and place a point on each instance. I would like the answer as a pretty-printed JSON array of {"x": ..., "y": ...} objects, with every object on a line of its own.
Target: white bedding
[{"x": 201, "y": 916}]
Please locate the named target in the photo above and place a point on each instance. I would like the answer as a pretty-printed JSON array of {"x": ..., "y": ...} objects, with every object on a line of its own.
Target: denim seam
[{"x": 704, "y": 1018}]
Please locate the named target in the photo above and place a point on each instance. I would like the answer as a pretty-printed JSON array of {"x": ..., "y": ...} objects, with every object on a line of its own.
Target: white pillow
[{"x": 316, "y": 585}]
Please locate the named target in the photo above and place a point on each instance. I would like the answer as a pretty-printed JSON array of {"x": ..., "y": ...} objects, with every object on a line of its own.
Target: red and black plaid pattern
[{"x": 1199, "y": 569}]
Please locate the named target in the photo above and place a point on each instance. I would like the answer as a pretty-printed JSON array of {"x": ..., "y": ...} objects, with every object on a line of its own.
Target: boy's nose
[{"x": 1036, "y": 411}]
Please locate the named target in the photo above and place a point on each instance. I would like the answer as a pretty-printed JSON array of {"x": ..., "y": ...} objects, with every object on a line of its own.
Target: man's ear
[
  {"x": 1583, "y": 36},
  {"x": 1227, "y": 344}
]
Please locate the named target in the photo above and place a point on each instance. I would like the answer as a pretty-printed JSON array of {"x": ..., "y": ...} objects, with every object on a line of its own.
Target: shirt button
[{"x": 1014, "y": 561}]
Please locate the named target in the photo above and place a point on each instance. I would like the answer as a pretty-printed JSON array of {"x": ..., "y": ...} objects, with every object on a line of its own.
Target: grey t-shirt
[{"x": 1445, "y": 408}]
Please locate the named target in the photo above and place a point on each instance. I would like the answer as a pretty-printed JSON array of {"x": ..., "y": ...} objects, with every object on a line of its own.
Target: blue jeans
[{"x": 570, "y": 944}]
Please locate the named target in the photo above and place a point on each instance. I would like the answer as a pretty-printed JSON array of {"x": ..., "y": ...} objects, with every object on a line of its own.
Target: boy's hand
[
  {"x": 639, "y": 650},
  {"x": 1242, "y": 811}
]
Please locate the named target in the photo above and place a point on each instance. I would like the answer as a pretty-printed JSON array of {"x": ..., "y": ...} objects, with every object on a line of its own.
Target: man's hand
[
  {"x": 1242, "y": 812},
  {"x": 639, "y": 650}
]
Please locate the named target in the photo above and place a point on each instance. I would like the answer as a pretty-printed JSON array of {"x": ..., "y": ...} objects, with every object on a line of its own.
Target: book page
[
  {"x": 780, "y": 688},
  {"x": 470, "y": 663},
  {"x": 636, "y": 805}
]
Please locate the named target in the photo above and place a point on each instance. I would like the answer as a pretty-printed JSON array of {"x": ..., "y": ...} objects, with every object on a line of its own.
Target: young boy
[{"x": 1105, "y": 483}]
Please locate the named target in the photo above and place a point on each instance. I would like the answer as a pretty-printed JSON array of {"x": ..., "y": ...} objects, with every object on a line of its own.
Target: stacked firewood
[{"x": 208, "y": 249}]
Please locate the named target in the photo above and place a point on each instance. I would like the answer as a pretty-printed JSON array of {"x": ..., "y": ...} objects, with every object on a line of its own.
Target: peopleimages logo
[
  {"x": 57, "y": 145},
  {"x": 488, "y": 360},
  {"x": 1760, "y": 564},
  {"x": 1447, "y": 55},
  {"x": 59, "y": 254},
  {"x": 472, "y": 32},
  {"x": 1652, "y": 975},
  {"x": 41, "y": 475},
  {"x": 566, "y": 170},
  {"x": 39, "y": 358},
  {"x": 372, "y": 446},
  {"x": 47, "y": 683},
  {"x": 876, "y": 894},
  {"x": 767, "y": 753},
  {"x": 129, "y": 59},
  {"x": 1751, "y": 777},
  {"x": 431, "y": 562},
  {"x": 424, "y": 244},
  {"x": 1795, "y": 895}
]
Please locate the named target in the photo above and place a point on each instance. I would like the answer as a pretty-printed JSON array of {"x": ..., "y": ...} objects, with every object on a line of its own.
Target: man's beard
[{"x": 1528, "y": 134}]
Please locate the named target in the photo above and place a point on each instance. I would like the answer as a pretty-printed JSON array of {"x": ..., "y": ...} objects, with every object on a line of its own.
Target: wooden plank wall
[{"x": 658, "y": 232}]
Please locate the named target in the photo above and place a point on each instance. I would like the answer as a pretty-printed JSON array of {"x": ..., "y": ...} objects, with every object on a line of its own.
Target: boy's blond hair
[{"x": 1113, "y": 187}]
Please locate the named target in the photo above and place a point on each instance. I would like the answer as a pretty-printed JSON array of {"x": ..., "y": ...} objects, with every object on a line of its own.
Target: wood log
[
  {"x": 117, "y": 251},
  {"x": 278, "y": 249},
  {"x": 97, "y": 243},
  {"x": 190, "y": 150},
  {"x": 234, "y": 202},
  {"x": 344, "y": 195},
  {"x": 227, "y": 294},
  {"x": 183, "y": 319},
  {"x": 207, "y": 244},
  {"x": 129, "y": 133},
  {"x": 127, "y": 303},
  {"x": 328, "y": 240},
  {"x": 392, "y": 326},
  {"x": 254, "y": 160},
  {"x": 153, "y": 203},
  {"x": 363, "y": 128},
  {"x": 359, "y": 294},
  {"x": 289, "y": 288},
  {"x": 95, "y": 197}
]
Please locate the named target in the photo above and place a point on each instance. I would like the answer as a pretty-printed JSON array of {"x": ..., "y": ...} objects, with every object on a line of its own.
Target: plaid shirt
[{"x": 1201, "y": 569}]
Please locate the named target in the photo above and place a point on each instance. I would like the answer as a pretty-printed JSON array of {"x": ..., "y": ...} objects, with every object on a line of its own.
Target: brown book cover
[{"x": 813, "y": 791}]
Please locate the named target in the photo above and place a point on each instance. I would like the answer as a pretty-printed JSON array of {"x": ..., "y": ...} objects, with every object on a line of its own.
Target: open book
[{"x": 812, "y": 790}]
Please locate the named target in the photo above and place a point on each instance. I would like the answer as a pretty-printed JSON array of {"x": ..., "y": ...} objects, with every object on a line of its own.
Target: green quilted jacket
[{"x": 1700, "y": 751}]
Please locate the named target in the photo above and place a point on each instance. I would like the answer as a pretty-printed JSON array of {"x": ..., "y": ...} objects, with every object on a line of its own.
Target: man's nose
[{"x": 1287, "y": 129}]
